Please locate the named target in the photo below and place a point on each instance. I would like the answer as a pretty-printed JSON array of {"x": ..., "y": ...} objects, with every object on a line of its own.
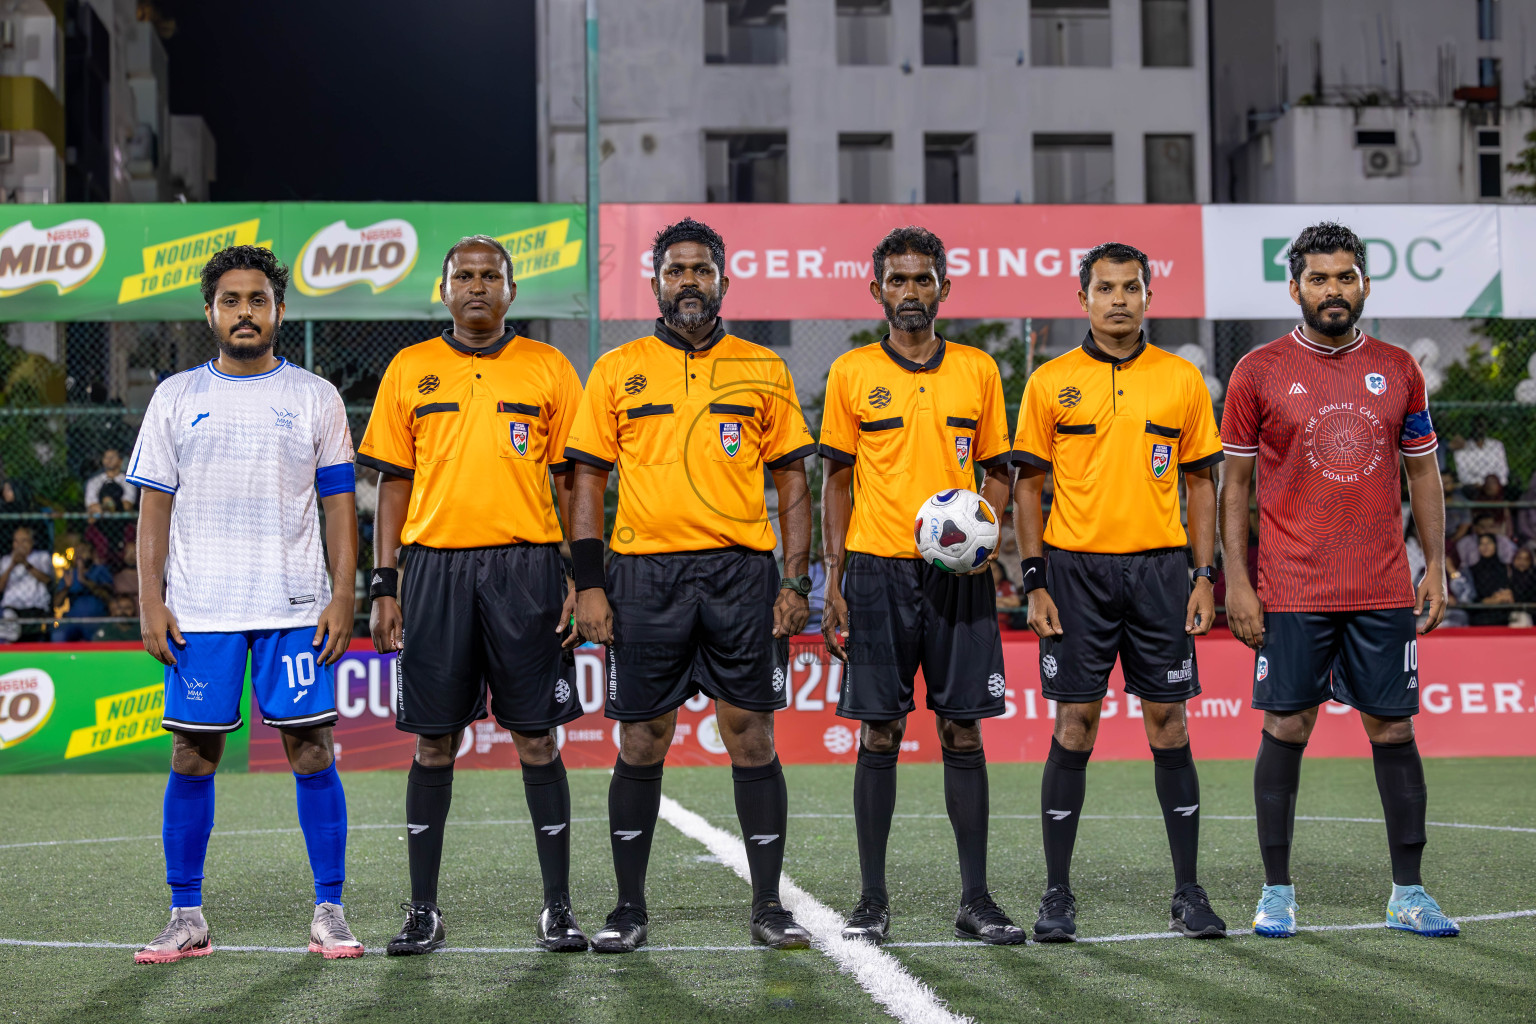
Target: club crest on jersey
[
  {"x": 1162, "y": 458},
  {"x": 1262, "y": 671},
  {"x": 730, "y": 438},
  {"x": 963, "y": 450},
  {"x": 284, "y": 417},
  {"x": 1375, "y": 383},
  {"x": 520, "y": 438}
]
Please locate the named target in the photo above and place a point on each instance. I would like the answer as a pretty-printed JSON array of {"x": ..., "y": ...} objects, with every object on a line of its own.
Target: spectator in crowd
[
  {"x": 1469, "y": 545},
  {"x": 111, "y": 473},
  {"x": 127, "y": 579},
  {"x": 1007, "y": 593},
  {"x": 1525, "y": 519},
  {"x": 26, "y": 578},
  {"x": 127, "y": 626},
  {"x": 1458, "y": 592},
  {"x": 88, "y": 586},
  {"x": 1492, "y": 584},
  {"x": 1458, "y": 518},
  {"x": 1478, "y": 457},
  {"x": 108, "y": 535},
  {"x": 1522, "y": 577}
]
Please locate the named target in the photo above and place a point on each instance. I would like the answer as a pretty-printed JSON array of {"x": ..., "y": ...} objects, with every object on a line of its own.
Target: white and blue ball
[{"x": 956, "y": 530}]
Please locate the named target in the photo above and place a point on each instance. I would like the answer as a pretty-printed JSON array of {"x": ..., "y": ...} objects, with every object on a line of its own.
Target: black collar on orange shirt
[
  {"x": 1092, "y": 348},
  {"x": 470, "y": 350},
  {"x": 907, "y": 364},
  {"x": 671, "y": 337}
]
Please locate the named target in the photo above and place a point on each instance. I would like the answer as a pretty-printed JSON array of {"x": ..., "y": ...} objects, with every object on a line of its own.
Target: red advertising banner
[
  {"x": 1472, "y": 691},
  {"x": 808, "y": 261}
]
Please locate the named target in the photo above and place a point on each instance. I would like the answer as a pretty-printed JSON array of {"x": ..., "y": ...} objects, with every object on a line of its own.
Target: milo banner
[
  {"x": 87, "y": 708},
  {"x": 351, "y": 261}
]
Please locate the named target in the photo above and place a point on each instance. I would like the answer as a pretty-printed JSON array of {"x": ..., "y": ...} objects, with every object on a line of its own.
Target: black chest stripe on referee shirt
[
  {"x": 522, "y": 407},
  {"x": 648, "y": 410},
  {"x": 1077, "y": 428},
  {"x": 731, "y": 410},
  {"x": 886, "y": 424},
  {"x": 960, "y": 421},
  {"x": 432, "y": 407},
  {"x": 1153, "y": 428}
]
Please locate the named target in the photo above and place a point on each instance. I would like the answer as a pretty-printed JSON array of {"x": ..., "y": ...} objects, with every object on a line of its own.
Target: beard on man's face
[
  {"x": 1329, "y": 327},
  {"x": 709, "y": 309},
  {"x": 243, "y": 350},
  {"x": 910, "y": 315}
]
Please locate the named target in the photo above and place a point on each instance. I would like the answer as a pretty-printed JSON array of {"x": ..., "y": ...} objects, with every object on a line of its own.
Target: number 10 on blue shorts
[{"x": 292, "y": 688}]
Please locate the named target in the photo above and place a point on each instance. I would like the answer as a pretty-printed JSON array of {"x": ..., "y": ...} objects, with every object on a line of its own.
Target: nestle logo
[
  {"x": 69, "y": 234},
  {"x": 380, "y": 234}
]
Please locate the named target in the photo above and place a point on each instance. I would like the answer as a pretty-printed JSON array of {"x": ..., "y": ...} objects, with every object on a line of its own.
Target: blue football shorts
[{"x": 292, "y": 688}]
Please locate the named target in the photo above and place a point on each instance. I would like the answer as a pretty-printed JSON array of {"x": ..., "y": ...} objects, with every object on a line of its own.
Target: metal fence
[{"x": 70, "y": 392}]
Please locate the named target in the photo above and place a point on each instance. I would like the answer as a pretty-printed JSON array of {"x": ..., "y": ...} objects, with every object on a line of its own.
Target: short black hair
[
  {"x": 485, "y": 240},
  {"x": 244, "y": 257},
  {"x": 1115, "y": 252},
  {"x": 1326, "y": 237},
  {"x": 910, "y": 239},
  {"x": 687, "y": 230}
]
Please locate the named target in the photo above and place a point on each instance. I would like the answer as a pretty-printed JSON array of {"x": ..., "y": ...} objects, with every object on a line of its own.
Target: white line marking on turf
[
  {"x": 1205, "y": 817},
  {"x": 878, "y": 973},
  {"x": 1507, "y": 915},
  {"x": 399, "y": 826}
]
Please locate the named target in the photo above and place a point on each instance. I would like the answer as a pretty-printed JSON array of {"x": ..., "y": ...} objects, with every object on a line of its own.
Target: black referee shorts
[
  {"x": 904, "y": 614},
  {"x": 481, "y": 620},
  {"x": 691, "y": 622},
  {"x": 1131, "y": 606},
  {"x": 1366, "y": 659}
]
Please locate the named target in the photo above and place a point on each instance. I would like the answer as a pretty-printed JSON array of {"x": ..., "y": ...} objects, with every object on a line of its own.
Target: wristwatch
[
  {"x": 799, "y": 584},
  {"x": 1208, "y": 571}
]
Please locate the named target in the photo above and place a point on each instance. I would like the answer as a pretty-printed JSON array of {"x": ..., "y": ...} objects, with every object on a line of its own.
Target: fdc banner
[
  {"x": 351, "y": 261},
  {"x": 87, "y": 708},
  {"x": 1423, "y": 261},
  {"x": 801, "y": 261},
  {"x": 1474, "y": 696}
]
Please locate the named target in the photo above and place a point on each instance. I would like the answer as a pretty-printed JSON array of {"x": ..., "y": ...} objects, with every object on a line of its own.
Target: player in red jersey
[{"x": 1326, "y": 411}]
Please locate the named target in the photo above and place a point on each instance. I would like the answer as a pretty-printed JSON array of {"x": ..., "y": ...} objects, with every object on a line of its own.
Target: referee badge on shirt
[
  {"x": 963, "y": 450},
  {"x": 520, "y": 438},
  {"x": 1162, "y": 458},
  {"x": 730, "y": 438}
]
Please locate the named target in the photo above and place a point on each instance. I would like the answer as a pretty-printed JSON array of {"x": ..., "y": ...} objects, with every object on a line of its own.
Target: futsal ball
[{"x": 956, "y": 530}]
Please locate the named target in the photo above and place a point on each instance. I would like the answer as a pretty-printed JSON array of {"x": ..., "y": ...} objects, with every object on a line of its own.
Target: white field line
[
  {"x": 1204, "y": 817},
  {"x": 217, "y": 832},
  {"x": 878, "y": 973},
  {"x": 1137, "y": 937}
]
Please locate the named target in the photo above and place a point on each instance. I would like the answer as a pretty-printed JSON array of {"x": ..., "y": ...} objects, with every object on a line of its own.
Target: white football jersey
[{"x": 241, "y": 456}]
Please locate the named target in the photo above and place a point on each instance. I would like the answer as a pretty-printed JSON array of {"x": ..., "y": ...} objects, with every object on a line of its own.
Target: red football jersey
[{"x": 1327, "y": 426}]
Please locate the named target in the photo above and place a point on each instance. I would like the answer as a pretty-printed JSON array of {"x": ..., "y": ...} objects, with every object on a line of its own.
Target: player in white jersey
[{"x": 232, "y": 460}]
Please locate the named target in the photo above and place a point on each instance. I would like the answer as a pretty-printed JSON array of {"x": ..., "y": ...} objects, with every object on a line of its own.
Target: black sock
[
  {"x": 1276, "y": 778},
  {"x": 634, "y": 799},
  {"x": 874, "y": 802},
  {"x": 1061, "y": 804},
  {"x": 549, "y": 805},
  {"x": 428, "y": 795},
  {"x": 762, "y": 807},
  {"x": 1178, "y": 790},
  {"x": 968, "y": 802},
  {"x": 1400, "y": 781}
]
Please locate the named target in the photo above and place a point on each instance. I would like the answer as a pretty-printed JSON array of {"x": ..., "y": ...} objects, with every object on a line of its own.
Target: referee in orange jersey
[{"x": 1117, "y": 421}]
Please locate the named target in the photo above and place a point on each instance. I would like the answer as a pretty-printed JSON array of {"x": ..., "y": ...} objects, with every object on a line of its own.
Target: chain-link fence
[{"x": 70, "y": 394}]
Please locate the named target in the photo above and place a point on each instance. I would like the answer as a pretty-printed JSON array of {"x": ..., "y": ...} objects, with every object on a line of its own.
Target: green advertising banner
[
  {"x": 351, "y": 261},
  {"x": 89, "y": 710}
]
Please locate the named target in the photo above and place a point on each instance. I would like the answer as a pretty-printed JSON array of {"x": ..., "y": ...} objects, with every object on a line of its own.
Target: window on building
[
  {"x": 746, "y": 167},
  {"x": 1069, "y": 33},
  {"x": 744, "y": 31},
  {"x": 949, "y": 32},
  {"x": 1488, "y": 69},
  {"x": 1165, "y": 41},
  {"x": 863, "y": 31},
  {"x": 863, "y": 168},
  {"x": 1488, "y": 20},
  {"x": 1074, "y": 169},
  {"x": 1490, "y": 164},
  {"x": 949, "y": 168},
  {"x": 1170, "y": 170},
  {"x": 773, "y": 333}
]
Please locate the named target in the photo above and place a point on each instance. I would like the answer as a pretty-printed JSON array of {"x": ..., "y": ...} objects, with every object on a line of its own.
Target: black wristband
[
  {"x": 587, "y": 563},
  {"x": 384, "y": 582},
  {"x": 1034, "y": 574}
]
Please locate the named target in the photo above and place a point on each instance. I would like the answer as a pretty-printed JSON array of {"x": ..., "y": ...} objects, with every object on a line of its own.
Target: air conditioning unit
[{"x": 1381, "y": 161}]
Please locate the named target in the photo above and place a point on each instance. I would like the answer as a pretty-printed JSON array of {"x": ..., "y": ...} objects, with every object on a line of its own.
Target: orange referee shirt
[
  {"x": 478, "y": 431},
  {"x": 910, "y": 430},
  {"x": 690, "y": 431},
  {"x": 1116, "y": 434}
]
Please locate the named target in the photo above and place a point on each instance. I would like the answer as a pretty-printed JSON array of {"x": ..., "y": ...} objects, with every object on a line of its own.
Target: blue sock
[
  {"x": 184, "y": 833},
  {"x": 323, "y": 818}
]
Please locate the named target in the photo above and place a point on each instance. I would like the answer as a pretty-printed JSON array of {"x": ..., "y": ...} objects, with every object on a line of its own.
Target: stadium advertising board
[
  {"x": 351, "y": 261},
  {"x": 86, "y": 708},
  {"x": 806, "y": 261},
  {"x": 1517, "y": 259},
  {"x": 1473, "y": 689},
  {"x": 1423, "y": 261}
]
